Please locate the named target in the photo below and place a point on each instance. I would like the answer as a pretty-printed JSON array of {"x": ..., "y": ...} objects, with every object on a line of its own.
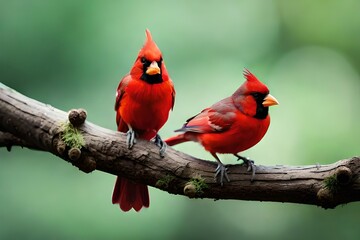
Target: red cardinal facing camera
[
  {"x": 144, "y": 99},
  {"x": 231, "y": 125}
]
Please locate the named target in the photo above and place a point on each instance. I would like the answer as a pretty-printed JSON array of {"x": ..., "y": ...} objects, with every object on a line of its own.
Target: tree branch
[
  {"x": 29, "y": 123},
  {"x": 8, "y": 140}
]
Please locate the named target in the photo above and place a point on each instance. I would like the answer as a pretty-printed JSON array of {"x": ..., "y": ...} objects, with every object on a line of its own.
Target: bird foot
[
  {"x": 130, "y": 138},
  {"x": 221, "y": 170},
  {"x": 161, "y": 144},
  {"x": 250, "y": 165}
]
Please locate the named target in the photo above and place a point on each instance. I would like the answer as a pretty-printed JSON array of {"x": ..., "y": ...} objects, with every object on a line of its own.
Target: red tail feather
[
  {"x": 176, "y": 140},
  {"x": 130, "y": 195}
]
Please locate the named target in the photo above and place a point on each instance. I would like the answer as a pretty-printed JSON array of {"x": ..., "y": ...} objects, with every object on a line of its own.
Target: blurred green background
[{"x": 73, "y": 53}]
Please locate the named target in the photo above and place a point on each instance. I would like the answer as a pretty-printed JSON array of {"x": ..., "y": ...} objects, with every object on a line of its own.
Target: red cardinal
[
  {"x": 144, "y": 98},
  {"x": 231, "y": 125}
]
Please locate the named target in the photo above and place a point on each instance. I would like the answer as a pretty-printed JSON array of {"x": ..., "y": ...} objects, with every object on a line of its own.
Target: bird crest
[
  {"x": 249, "y": 76},
  {"x": 150, "y": 50},
  {"x": 252, "y": 84}
]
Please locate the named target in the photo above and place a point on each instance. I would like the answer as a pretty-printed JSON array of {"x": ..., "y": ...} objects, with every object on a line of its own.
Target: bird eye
[{"x": 143, "y": 60}]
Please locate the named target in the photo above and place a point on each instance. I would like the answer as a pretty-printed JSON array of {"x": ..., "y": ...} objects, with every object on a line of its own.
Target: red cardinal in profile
[
  {"x": 231, "y": 125},
  {"x": 144, "y": 99}
]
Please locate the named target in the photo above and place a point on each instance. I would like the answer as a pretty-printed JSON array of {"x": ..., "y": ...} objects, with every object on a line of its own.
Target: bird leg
[
  {"x": 161, "y": 144},
  {"x": 130, "y": 137},
  {"x": 221, "y": 170},
  {"x": 249, "y": 163}
]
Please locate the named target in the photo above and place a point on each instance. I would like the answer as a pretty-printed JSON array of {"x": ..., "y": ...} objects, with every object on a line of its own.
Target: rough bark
[{"x": 29, "y": 123}]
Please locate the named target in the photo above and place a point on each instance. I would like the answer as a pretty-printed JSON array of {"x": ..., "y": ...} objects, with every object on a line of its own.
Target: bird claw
[
  {"x": 130, "y": 138},
  {"x": 222, "y": 171},
  {"x": 250, "y": 165},
  {"x": 252, "y": 168},
  {"x": 161, "y": 144}
]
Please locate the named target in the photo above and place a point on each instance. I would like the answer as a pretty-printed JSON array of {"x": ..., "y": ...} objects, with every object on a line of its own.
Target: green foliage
[
  {"x": 199, "y": 184},
  {"x": 71, "y": 136},
  {"x": 164, "y": 182},
  {"x": 332, "y": 183}
]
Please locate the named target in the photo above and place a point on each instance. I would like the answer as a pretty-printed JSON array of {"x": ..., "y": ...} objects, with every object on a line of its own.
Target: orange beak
[
  {"x": 153, "y": 69},
  {"x": 269, "y": 100}
]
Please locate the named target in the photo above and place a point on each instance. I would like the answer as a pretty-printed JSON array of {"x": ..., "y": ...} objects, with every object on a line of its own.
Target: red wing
[
  {"x": 217, "y": 118},
  {"x": 173, "y": 93},
  {"x": 121, "y": 89},
  {"x": 119, "y": 94}
]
